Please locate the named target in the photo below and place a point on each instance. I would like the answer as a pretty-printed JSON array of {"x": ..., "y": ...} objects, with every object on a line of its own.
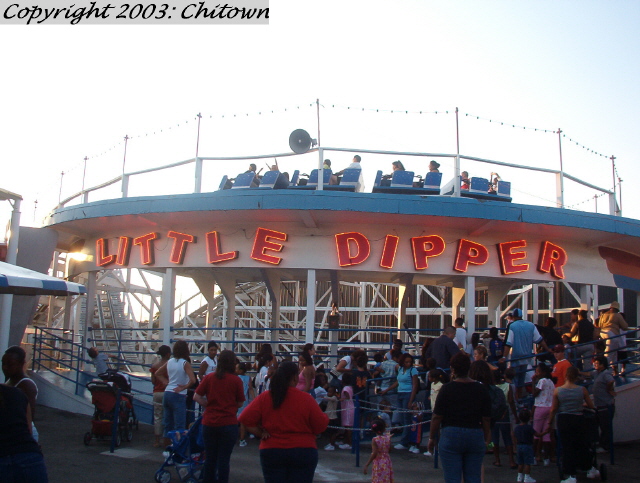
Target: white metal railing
[{"x": 198, "y": 164}]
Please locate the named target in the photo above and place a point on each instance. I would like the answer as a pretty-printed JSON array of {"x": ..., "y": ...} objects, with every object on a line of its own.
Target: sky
[{"x": 514, "y": 69}]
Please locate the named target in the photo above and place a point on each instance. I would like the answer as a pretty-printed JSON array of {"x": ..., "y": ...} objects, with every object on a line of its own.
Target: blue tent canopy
[{"x": 22, "y": 281}]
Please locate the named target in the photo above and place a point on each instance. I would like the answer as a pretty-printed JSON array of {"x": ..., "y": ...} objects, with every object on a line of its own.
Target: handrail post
[
  {"x": 560, "y": 189},
  {"x": 125, "y": 185},
  {"x": 198, "y": 180}
]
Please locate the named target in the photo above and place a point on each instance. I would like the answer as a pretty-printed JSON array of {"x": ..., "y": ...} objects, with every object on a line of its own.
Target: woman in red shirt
[
  {"x": 221, "y": 394},
  {"x": 287, "y": 421}
]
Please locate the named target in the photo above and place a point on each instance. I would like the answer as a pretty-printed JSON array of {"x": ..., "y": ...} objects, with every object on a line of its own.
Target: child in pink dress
[
  {"x": 382, "y": 470},
  {"x": 347, "y": 410}
]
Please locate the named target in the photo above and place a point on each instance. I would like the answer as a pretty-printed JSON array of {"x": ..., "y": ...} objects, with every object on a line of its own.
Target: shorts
[
  {"x": 524, "y": 454},
  {"x": 541, "y": 422},
  {"x": 521, "y": 372}
]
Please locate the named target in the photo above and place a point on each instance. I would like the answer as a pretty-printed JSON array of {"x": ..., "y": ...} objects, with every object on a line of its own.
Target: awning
[{"x": 22, "y": 281}]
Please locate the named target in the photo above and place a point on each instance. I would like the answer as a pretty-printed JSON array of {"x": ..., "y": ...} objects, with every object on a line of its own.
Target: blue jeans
[
  {"x": 218, "y": 445},
  {"x": 405, "y": 416},
  {"x": 175, "y": 412},
  {"x": 461, "y": 452},
  {"x": 23, "y": 468},
  {"x": 293, "y": 465}
]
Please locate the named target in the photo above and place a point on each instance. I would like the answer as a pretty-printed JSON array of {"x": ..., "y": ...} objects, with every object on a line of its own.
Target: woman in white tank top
[{"x": 180, "y": 377}]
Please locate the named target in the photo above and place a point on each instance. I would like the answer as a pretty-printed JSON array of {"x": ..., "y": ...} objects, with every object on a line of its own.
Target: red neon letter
[
  {"x": 389, "y": 251},
  {"x": 262, "y": 244},
  {"x": 508, "y": 257},
  {"x": 179, "y": 245},
  {"x": 146, "y": 247},
  {"x": 421, "y": 253},
  {"x": 213, "y": 249},
  {"x": 102, "y": 252},
  {"x": 552, "y": 259},
  {"x": 124, "y": 250},
  {"x": 363, "y": 249},
  {"x": 470, "y": 252}
]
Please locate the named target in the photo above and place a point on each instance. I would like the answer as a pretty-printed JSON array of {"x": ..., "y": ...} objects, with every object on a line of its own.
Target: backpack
[{"x": 498, "y": 403}]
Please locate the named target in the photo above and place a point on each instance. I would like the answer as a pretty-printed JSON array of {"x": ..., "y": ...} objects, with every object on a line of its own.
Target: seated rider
[{"x": 464, "y": 180}]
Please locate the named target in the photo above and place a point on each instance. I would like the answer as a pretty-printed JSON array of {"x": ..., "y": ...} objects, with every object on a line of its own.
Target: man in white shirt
[{"x": 355, "y": 164}]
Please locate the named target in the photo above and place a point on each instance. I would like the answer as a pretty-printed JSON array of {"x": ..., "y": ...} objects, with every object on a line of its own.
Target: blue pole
[{"x": 356, "y": 427}]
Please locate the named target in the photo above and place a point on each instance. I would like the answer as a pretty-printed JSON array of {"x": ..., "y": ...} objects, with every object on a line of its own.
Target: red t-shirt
[
  {"x": 293, "y": 425},
  {"x": 223, "y": 396},
  {"x": 560, "y": 370}
]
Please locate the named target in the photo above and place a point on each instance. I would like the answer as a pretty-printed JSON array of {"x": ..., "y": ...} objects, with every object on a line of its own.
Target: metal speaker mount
[{"x": 300, "y": 142}]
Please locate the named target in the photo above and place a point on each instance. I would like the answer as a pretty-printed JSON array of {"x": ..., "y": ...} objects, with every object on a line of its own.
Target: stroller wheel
[
  {"x": 191, "y": 480},
  {"x": 163, "y": 476},
  {"x": 118, "y": 440},
  {"x": 603, "y": 472},
  {"x": 128, "y": 434},
  {"x": 87, "y": 438}
]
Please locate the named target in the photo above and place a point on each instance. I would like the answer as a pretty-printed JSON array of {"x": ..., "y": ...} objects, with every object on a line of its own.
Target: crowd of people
[
  {"x": 471, "y": 395},
  {"x": 526, "y": 390}
]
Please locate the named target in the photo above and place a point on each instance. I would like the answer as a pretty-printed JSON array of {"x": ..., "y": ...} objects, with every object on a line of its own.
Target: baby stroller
[
  {"x": 104, "y": 398},
  {"x": 588, "y": 458},
  {"x": 186, "y": 453}
]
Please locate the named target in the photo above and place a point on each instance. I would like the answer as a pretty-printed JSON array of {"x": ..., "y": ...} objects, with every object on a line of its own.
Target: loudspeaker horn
[{"x": 300, "y": 142}]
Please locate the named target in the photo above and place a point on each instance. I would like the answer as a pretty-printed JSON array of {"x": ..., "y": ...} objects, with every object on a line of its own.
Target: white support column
[
  {"x": 620, "y": 293},
  {"x": 362, "y": 320},
  {"x": 167, "y": 304},
  {"x": 406, "y": 286},
  {"x": 456, "y": 297},
  {"x": 90, "y": 308},
  {"x": 497, "y": 293},
  {"x": 227, "y": 286},
  {"x": 534, "y": 302},
  {"x": 470, "y": 306},
  {"x": 310, "y": 321},
  {"x": 525, "y": 305}
]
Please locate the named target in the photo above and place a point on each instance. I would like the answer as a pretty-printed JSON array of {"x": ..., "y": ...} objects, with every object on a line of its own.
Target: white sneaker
[
  {"x": 400, "y": 446},
  {"x": 570, "y": 479},
  {"x": 547, "y": 462},
  {"x": 520, "y": 477},
  {"x": 166, "y": 454},
  {"x": 252, "y": 436},
  {"x": 243, "y": 443},
  {"x": 329, "y": 447},
  {"x": 528, "y": 479},
  {"x": 428, "y": 453},
  {"x": 414, "y": 450},
  {"x": 593, "y": 473},
  {"x": 345, "y": 446}
]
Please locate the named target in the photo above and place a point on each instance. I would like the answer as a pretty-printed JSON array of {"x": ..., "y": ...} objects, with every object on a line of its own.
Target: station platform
[{"x": 68, "y": 459}]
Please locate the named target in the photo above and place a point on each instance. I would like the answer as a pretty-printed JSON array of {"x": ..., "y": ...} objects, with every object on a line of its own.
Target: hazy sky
[{"x": 75, "y": 91}]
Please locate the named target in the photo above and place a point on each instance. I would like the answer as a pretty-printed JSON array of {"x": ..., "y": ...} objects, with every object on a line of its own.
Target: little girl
[
  {"x": 543, "y": 393},
  {"x": 437, "y": 378},
  {"x": 348, "y": 409},
  {"x": 382, "y": 471}
]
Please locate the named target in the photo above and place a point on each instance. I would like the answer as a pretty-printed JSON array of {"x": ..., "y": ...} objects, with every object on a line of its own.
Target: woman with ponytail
[{"x": 286, "y": 420}]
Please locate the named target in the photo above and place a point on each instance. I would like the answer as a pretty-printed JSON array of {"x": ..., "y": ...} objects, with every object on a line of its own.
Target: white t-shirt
[
  {"x": 461, "y": 338},
  {"x": 211, "y": 364},
  {"x": 545, "y": 398},
  {"x": 360, "y": 187}
]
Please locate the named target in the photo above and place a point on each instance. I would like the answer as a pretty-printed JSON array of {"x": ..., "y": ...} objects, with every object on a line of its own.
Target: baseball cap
[
  {"x": 558, "y": 348},
  {"x": 163, "y": 350},
  {"x": 517, "y": 313},
  {"x": 615, "y": 305}
]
